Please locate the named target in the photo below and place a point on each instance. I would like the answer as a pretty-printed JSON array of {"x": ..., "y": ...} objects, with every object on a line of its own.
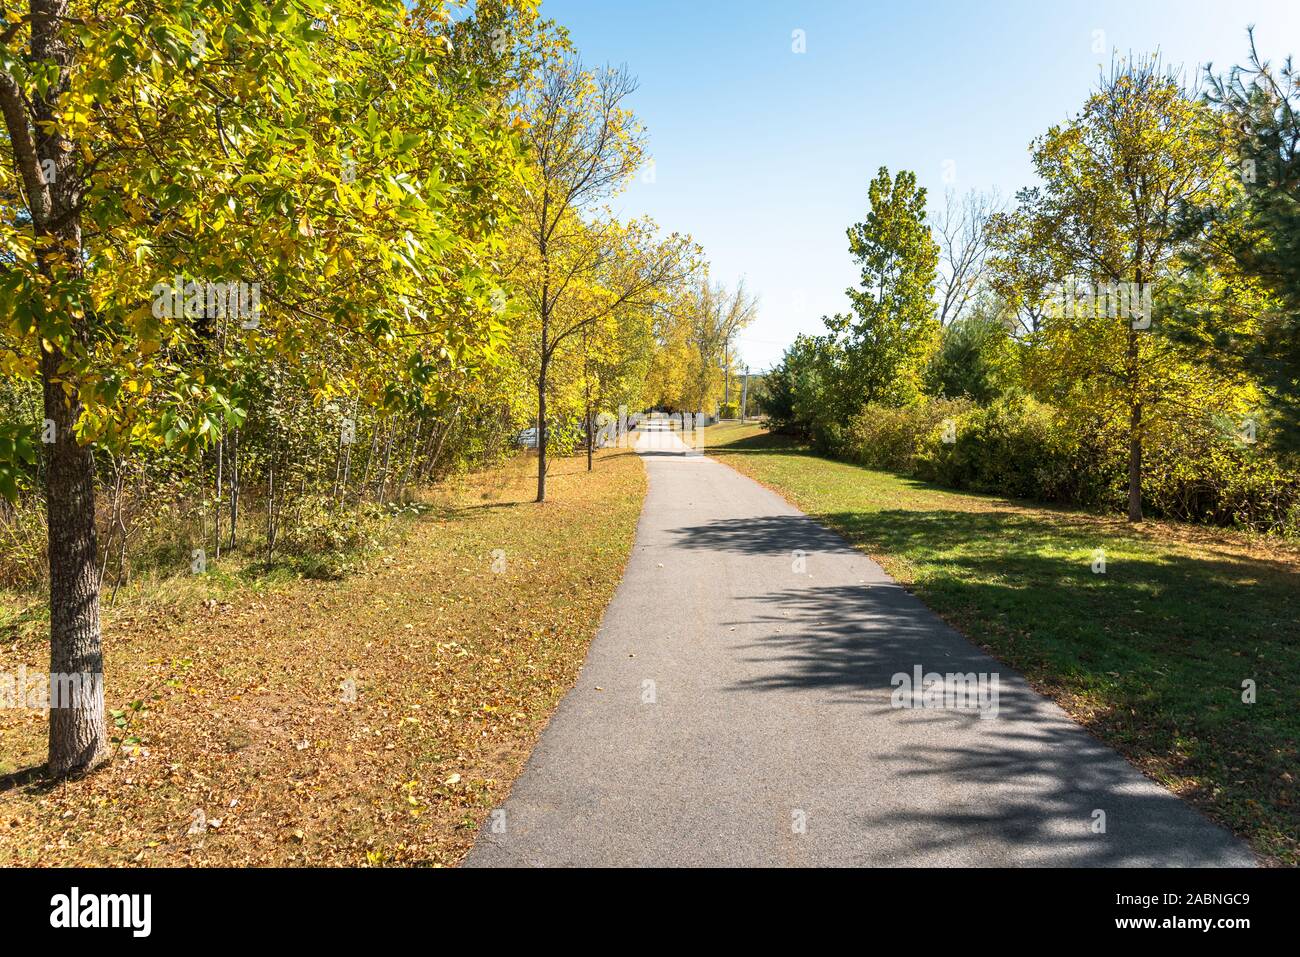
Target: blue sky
[{"x": 763, "y": 155}]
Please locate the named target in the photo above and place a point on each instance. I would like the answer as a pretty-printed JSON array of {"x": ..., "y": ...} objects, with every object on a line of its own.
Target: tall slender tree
[
  {"x": 892, "y": 330},
  {"x": 576, "y": 263}
]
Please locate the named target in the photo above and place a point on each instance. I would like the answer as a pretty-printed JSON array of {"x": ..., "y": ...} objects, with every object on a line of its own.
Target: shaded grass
[
  {"x": 1151, "y": 655},
  {"x": 234, "y": 689}
]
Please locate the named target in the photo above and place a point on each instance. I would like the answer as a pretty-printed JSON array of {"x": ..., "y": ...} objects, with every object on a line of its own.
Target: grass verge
[
  {"x": 371, "y": 720},
  {"x": 1150, "y": 655}
]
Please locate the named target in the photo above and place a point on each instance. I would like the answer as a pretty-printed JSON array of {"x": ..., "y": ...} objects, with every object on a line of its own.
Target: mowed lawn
[
  {"x": 372, "y": 720},
  {"x": 1150, "y": 656}
]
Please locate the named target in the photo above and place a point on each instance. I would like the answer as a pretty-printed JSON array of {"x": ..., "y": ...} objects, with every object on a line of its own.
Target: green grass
[{"x": 1150, "y": 656}]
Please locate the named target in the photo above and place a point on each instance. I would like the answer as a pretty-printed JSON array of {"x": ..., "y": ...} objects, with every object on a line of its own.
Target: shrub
[
  {"x": 321, "y": 527},
  {"x": 1020, "y": 447},
  {"x": 892, "y": 438},
  {"x": 1204, "y": 474},
  {"x": 972, "y": 359},
  {"x": 23, "y": 535},
  {"x": 1013, "y": 446}
]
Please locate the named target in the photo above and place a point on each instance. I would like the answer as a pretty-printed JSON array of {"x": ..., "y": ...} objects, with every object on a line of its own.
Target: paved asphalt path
[{"x": 735, "y": 710}]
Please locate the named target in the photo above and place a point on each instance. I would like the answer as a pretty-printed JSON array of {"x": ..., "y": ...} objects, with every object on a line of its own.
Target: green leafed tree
[
  {"x": 1259, "y": 233},
  {"x": 975, "y": 358},
  {"x": 1104, "y": 222},
  {"x": 794, "y": 393},
  {"x": 886, "y": 340}
]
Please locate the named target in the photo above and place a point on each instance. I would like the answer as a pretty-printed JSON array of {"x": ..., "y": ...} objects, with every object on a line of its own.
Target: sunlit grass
[{"x": 1151, "y": 655}]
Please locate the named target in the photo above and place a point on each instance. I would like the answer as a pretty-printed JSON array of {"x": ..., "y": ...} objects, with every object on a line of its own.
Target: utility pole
[
  {"x": 726, "y": 373},
  {"x": 744, "y": 396}
]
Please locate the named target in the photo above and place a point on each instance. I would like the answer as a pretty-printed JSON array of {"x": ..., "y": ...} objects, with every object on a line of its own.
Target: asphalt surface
[{"x": 736, "y": 709}]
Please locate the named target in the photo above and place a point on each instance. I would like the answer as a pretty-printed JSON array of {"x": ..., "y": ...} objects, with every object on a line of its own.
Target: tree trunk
[
  {"x": 216, "y": 508},
  {"x": 347, "y": 453},
  {"x": 422, "y": 459},
  {"x": 388, "y": 457},
  {"x": 338, "y": 463},
  {"x": 541, "y": 423},
  {"x": 113, "y": 522},
  {"x": 119, "y": 467},
  {"x": 1135, "y": 462},
  {"x": 234, "y": 487},
  {"x": 442, "y": 438},
  {"x": 542, "y": 369},
  {"x": 78, "y": 738},
  {"x": 1135, "y": 407},
  {"x": 586, "y": 392},
  {"x": 410, "y": 462},
  {"x": 365, "y": 476},
  {"x": 270, "y": 514}
]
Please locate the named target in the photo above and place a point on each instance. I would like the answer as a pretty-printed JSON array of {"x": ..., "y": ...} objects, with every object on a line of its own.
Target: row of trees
[
  {"x": 264, "y": 266},
  {"x": 1144, "y": 293}
]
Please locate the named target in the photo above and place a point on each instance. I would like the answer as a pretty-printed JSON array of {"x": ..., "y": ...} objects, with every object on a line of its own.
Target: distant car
[{"x": 527, "y": 439}]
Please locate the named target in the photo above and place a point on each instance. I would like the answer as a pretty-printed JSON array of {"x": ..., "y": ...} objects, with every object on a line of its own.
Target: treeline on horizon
[{"x": 1124, "y": 334}]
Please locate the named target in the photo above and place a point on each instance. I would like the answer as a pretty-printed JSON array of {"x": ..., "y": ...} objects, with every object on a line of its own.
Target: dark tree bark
[
  {"x": 1135, "y": 462},
  {"x": 541, "y": 422},
  {"x": 216, "y": 508},
  {"x": 586, "y": 392},
  {"x": 270, "y": 513},
  {"x": 1134, "y": 359},
  {"x": 77, "y": 735}
]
